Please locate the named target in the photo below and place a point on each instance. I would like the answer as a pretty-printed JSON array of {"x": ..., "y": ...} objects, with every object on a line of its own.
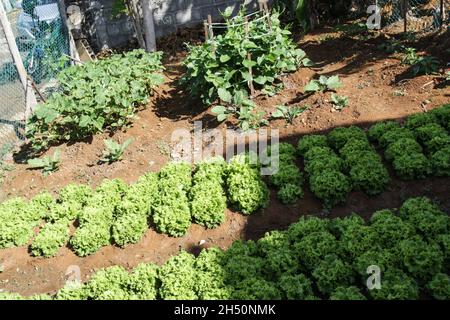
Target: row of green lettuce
[
  {"x": 335, "y": 164},
  {"x": 313, "y": 259},
  {"x": 119, "y": 213},
  {"x": 345, "y": 159}
]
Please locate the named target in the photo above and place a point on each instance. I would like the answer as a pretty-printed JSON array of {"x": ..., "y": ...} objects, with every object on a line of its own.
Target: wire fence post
[
  {"x": 405, "y": 13},
  {"x": 29, "y": 94}
]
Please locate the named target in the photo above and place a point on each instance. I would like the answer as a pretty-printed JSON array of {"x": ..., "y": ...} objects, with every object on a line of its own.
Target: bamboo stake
[
  {"x": 205, "y": 27},
  {"x": 211, "y": 33},
  {"x": 249, "y": 57},
  {"x": 442, "y": 8},
  {"x": 267, "y": 12}
]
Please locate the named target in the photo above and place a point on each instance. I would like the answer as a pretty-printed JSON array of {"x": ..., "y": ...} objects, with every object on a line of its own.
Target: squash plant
[{"x": 95, "y": 96}]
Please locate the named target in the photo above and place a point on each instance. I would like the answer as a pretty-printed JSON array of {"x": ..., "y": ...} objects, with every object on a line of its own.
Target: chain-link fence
[
  {"x": 420, "y": 15},
  {"x": 12, "y": 98},
  {"x": 40, "y": 39}
]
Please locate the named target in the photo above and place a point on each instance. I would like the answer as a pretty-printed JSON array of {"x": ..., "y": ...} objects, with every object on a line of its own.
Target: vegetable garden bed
[{"x": 341, "y": 167}]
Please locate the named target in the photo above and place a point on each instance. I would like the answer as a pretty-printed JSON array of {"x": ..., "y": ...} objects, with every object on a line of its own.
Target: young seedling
[
  {"x": 47, "y": 164},
  {"x": 288, "y": 113},
  {"x": 411, "y": 56},
  {"x": 339, "y": 102},
  {"x": 241, "y": 105},
  {"x": 425, "y": 65},
  {"x": 114, "y": 150},
  {"x": 323, "y": 84}
]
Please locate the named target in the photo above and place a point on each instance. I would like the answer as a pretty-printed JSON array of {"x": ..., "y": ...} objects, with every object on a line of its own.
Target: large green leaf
[{"x": 224, "y": 95}]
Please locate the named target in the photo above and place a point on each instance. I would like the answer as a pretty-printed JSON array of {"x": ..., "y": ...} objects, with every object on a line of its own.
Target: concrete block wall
[
  {"x": 169, "y": 15},
  {"x": 172, "y": 14}
]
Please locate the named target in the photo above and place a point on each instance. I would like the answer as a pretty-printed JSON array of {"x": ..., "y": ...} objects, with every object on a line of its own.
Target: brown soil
[{"x": 377, "y": 85}]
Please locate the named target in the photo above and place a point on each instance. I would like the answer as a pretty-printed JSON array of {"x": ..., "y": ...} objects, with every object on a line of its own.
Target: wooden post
[
  {"x": 405, "y": 14},
  {"x": 211, "y": 34},
  {"x": 136, "y": 19},
  {"x": 261, "y": 8},
  {"x": 442, "y": 8},
  {"x": 75, "y": 57},
  {"x": 267, "y": 12},
  {"x": 17, "y": 58},
  {"x": 205, "y": 26},
  {"x": 210, "y": 29},
  {"x": 149, "y": 26},
  {"x": 249, "y": 57}
]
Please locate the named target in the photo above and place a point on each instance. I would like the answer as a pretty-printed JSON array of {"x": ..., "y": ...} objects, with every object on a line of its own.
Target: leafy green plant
[
  {"x": 397, "y": 285},
  {"x": 210, "y": 275},
  {"x": 370, "y": 176},
  {"x": 390, "y": 229},
  {"x": 410, "y": 56},
  {"x": 395, "y": 134},
  {"x": 442, "y": 114},
  {"x": 338, "y": 137},
  {"x": 296, "y": 287},
  {"x": 245, "y": 187},
  {"x": 392, "y": 46},
  {"x": 83, "y": 106},
  {"x": 314, "y": 247},
  {"x": 376, "y": 131},
  {"x": 17, "y": 220},
  {"x": 439, "y": 286},
  {"x": 288, "y": 113},
  {"x": 114, "y": 150},
  {"x": 309, "y": 141},
  {"x": 411, "y": 166},
  {"x": 422, "y": 260},
  {"x": 94, "y": 230},
  {"x": 347, "y": 293},
  {"x": 171, "y": 212},
  {"x": 256, "y": 289},
  {"x": 50, "y": 239},
  {"x": 108, "y": 284},
  {"x": 290, "y": 193},
  {"x": 143, "y": 282},
  {"x": 425, "y": 216},
  {"x": 323, "y": 84},
  {"x": 425, "y": 65},
  {"x": 420, "y": 119},
  {"x": 440, "y": 162},
  {"x": 178, "y": 278},
  {"x": 400, "y": 147},
  {"x": 330, "y": 186},
  {"x": 288, "y": 173},
  {"x": 208, "y": 200},
  {"x": 73, "y": 290},
  {"x": 47, "y": 164},
  {"x": 130, "y": 226},
  {"x": 221, "y": 72},
  {"x": 339, "y": 102},
  {"x": 220, "y": 68}
]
